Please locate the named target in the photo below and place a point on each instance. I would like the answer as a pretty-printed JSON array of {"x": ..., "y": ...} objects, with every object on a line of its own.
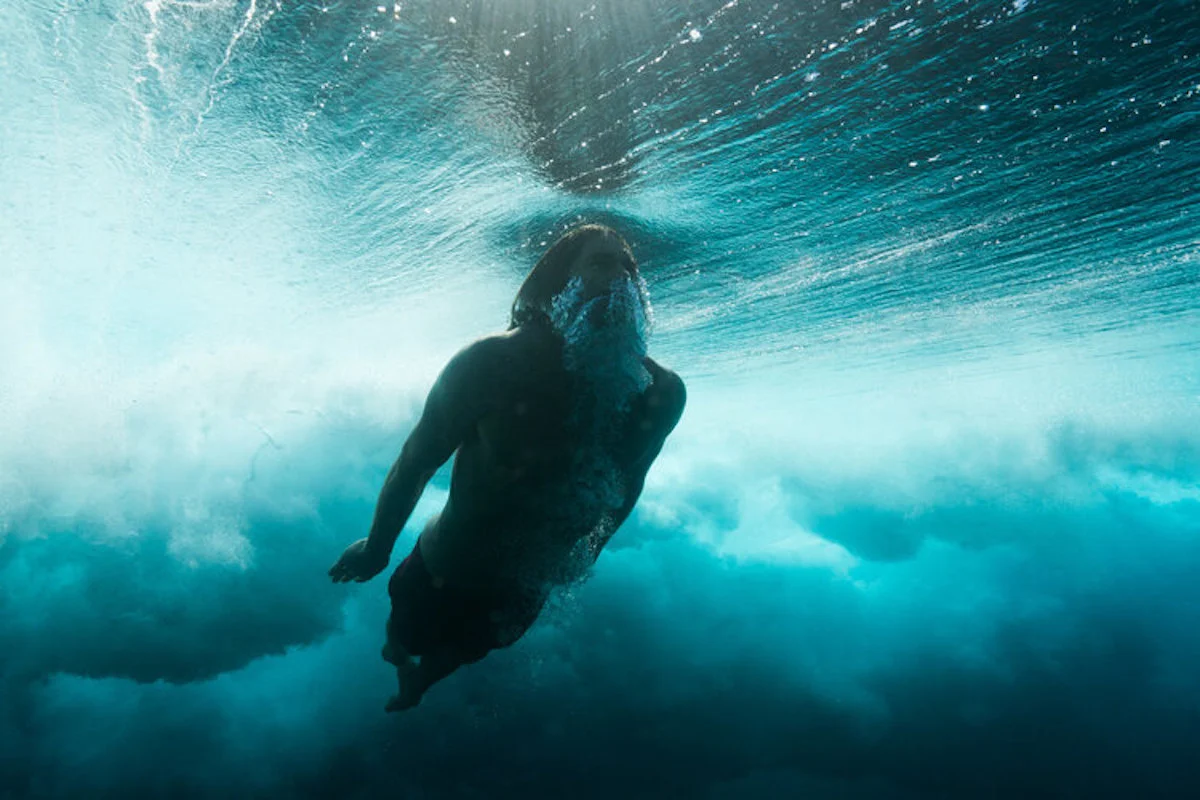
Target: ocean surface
[{"x": 929, "y": 527}]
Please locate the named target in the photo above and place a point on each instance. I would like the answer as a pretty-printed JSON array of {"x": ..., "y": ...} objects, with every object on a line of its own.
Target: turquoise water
[{"x": 930, "y": 526}]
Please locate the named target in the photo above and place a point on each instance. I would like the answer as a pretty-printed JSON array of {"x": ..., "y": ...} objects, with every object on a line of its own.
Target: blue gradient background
[{"x": 930, "y": 526}]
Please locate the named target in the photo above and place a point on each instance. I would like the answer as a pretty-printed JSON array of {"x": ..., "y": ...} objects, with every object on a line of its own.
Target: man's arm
[
  {"x": 458, "y": 399},
  {"x": 456, "y": 402}
]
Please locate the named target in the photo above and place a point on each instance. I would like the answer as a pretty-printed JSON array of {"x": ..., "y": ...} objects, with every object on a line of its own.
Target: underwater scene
[{"x": 927, "y": 525}]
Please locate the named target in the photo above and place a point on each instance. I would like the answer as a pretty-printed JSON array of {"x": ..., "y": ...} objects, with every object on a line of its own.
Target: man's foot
[
  {"x": 410, "y": 688},
  {"x": 402, "y": 702}
]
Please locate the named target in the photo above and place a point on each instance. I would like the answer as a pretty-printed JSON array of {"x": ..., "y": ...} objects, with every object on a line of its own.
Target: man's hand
[{"x": 359, "y": 563}]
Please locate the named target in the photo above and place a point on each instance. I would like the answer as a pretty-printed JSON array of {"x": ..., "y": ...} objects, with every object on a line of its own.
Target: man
[{"x": 555, "y": 423}]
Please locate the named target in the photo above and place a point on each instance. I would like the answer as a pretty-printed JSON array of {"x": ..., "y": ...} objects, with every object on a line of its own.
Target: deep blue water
[{"x": 929, "y": 528}]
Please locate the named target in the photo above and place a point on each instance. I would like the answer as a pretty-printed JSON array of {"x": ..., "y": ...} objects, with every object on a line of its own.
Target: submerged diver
[{"x": 555, "y": 422}]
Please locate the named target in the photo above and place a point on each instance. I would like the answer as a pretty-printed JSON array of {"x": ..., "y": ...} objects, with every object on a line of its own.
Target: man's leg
[
  {"x": 395, "y": 654},
  {"x": 398, "y": 656},
  {"x": 415, "y": 679}
]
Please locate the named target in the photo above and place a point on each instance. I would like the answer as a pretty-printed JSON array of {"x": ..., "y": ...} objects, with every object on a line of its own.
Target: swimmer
[{"x": 555, "y": 423}]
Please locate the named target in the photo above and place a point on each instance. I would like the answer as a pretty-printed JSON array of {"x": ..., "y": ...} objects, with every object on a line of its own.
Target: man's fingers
[{"x": 341, "y": 572}]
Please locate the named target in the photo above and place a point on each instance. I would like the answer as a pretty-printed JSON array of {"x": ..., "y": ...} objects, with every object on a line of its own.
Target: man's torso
[{"x": 546, "y": 467}]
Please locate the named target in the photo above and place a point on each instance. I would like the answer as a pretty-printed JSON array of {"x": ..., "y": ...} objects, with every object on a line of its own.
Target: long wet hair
[{"x": 550, "y": 274}]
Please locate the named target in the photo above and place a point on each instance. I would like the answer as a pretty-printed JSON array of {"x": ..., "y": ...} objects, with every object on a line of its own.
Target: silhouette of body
[{"x": 555, "y": 423}]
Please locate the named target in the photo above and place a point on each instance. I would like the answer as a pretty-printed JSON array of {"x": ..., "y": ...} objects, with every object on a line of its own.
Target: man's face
[
  {"x": 601, "y": 264},
  {"x": 602, "y": 305},
  {"x": 602, "y": 317}
]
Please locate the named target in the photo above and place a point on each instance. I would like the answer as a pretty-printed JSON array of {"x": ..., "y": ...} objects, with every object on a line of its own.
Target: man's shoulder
[
  {"x": 496, "y": 361},
  {"x": 664, "y": 379},
  {"x": 470, "y": 367},
  {"x": 667, "y": 390},
  {"x": 485, "y": 353}
]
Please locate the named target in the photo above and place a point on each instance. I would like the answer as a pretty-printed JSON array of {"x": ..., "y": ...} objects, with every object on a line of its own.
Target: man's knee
[{"x": 398, "y": 638}]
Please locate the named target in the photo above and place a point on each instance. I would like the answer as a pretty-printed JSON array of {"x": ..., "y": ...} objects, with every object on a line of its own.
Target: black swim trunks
[{"x": 455, "y": 622}]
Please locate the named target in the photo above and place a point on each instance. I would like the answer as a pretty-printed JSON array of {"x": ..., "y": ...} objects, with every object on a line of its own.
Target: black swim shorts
[{"x": 453, "y": 621}]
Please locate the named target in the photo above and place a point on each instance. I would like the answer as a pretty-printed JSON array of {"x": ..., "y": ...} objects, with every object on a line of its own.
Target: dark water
[{"x": 929, "y": 528}]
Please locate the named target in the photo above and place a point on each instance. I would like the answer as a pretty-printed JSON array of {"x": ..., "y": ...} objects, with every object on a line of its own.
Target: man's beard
[{"x": 604, "y": 341}]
